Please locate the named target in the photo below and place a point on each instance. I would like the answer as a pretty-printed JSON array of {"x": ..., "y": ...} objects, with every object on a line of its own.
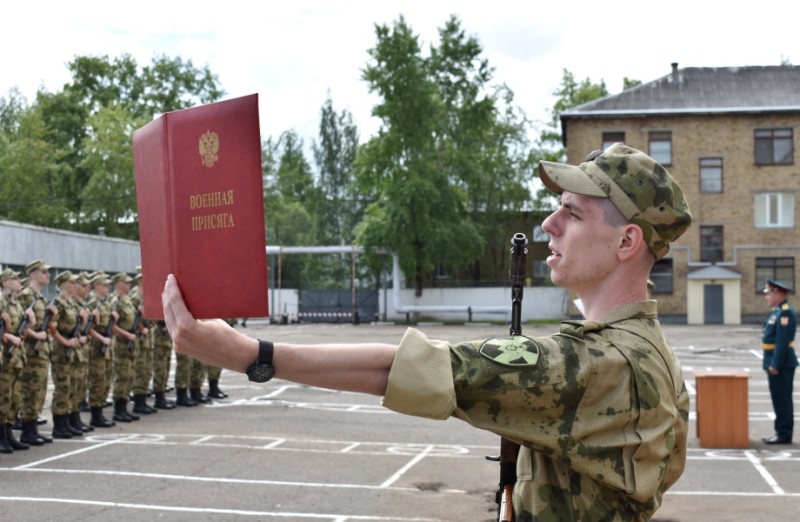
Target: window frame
[
  {"x": 706, "y": 167},
  {"x": 780, "y": 268},
  {"x": 765, "y": 141},
  {"x": 660, "y": 136},
  {"x": 663, "y": 276},
  {"x": 609, "y": 138},
  {"x": 776, "y": 204},
  {"x": 712, "y": 234}
]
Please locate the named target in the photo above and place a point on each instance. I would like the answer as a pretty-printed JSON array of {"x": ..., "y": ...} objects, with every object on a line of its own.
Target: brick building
[{"x": 728, "y": 136}]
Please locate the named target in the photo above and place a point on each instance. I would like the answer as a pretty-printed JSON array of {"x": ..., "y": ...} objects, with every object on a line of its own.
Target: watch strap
[{"x": 265, "y": 351}]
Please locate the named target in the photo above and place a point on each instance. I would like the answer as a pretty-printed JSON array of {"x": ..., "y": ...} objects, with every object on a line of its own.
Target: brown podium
[{"x": 722, "y": 409}]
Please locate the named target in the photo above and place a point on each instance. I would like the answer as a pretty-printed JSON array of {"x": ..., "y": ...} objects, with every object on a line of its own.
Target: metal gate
[{"x": 336, "y": 306}]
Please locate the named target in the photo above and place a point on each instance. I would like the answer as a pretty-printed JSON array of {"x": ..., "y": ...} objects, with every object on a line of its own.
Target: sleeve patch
[{"x": 516, "y": 350}]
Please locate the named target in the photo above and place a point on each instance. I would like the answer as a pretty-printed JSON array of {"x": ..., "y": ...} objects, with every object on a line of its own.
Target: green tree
[
  {"x": 109, "y": 196},
  {"x": 30, "y": 167},
  {"x": 418, "y": 214}
]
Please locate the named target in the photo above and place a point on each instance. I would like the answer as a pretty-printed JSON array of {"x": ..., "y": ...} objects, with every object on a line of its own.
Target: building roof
[{"x": 703, "y": 90}]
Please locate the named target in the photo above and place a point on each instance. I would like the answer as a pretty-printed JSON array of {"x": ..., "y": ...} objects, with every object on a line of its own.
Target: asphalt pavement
[{"x": 286, "y": 452}]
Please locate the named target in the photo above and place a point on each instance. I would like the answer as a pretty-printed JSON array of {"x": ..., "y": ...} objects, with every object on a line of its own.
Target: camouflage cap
[
  {"x": 65, "y": 276},
  {"x": 100, "y": 278},
  {"x": 121, "y": 277},
  {"x": 7, "y": 274},
  {"x": 638, "y": 186},
  {"x": 83, "y": 278},
  {"x": 36, "y": 265}
]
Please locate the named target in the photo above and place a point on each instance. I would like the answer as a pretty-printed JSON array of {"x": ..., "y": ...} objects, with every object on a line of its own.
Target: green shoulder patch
[{"x": 517, "y": 350}]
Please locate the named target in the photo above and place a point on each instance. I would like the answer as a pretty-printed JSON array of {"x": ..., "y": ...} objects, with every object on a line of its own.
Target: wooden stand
[{"x": 722, "y": 410}]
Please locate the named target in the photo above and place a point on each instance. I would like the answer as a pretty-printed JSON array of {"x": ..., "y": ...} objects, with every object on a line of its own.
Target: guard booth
[{"x": 722, "y": 409}]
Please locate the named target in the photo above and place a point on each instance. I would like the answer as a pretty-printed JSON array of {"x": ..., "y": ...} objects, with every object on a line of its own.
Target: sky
[{"x": 296, "y": 53}]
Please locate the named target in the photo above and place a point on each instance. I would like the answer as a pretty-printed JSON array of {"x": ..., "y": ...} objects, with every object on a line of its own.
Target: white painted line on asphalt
[
  {"x": 729, "y": 494},
  {"x": 394, "y": 478},
  {"x": 759, "y": 355},
  {"x": 756, "y": 462},
  {"x": 217, "y": 511},
  {"x": 76, "y": 452}
]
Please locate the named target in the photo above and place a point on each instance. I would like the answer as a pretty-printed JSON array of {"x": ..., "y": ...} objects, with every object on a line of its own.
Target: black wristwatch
[{"x": 262, "y": 370}]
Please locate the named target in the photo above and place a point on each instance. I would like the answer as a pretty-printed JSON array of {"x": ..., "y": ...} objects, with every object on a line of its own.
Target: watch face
[{"x": 260, "y": 372}]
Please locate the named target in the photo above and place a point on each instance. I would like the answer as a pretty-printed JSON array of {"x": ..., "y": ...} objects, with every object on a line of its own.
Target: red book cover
[{"x": 200, "y": 197}]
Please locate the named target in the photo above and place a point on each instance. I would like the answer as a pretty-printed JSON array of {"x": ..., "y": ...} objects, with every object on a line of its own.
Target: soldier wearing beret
[
  {"x": 780, "y": 358},
  {"x": 600, "y": 408},
  {"x": 37, "y": 351},
  {"x": 125, "y": 347},
  {"x": 13, "y": 353}
]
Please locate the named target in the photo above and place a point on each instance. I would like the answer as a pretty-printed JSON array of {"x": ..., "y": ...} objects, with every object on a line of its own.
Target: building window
[
  {"x": 711, "y": 244},
  {"x": 540, "y": 269},
  {"x": 610, "y": 138},
  {"x": 774, "y": 210},
  {"x": 711, "y": 175},
  {"x": 774, "y": 147},
  {"x": 775, "y": 268},
  {"x": 661, "y": 275},
  {"x": 661, "y": 146}
]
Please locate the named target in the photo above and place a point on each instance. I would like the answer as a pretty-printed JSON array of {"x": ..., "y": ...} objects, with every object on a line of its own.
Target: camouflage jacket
[{"x": 600, "y": 410}]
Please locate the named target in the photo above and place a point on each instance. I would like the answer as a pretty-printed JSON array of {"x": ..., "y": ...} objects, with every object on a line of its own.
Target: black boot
[
  {"x": 5, "y": 447},
  {"x": 121, "y": 411},
  {"x": 140, "y": 405},
  {"x": 73, "y": 425},
  {"x": 12, "y": 440},
  {"x": 79, "y": 422},
  {"x": 162, "y": 403},
  {"x": 98, "y": 420},
  {"x": 183, "y": 399},
  {"x": 198, "y": 397},
  {"x": 214, "y": 391},
  {"x": 60, "y": 430},
  {"x": 30, "y": 434}
]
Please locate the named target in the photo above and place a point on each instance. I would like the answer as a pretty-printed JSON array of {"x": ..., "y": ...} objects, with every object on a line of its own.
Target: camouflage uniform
[
  {"x": 600, "y": 410},
  {"x": 11, "y": 370},
  {"x": 62, "y": 358},
  {"x": 36, "y": 371},
  {"x": 80, "y": 383},
  {"x": 198, "y": 376},
  {"x": 183, "y": 377},
  {"x": 143, "y": 368},
  {"x": 125, "y": 353},
  {"x": 100, "y": 354},
  {"x": 162, "y": 356}
]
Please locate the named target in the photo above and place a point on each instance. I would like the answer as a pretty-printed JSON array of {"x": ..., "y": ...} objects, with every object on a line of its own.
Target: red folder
[{"x": 200, "y": 196}]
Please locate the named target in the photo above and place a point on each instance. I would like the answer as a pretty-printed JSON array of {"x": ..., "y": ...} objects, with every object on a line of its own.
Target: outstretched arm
[{"x": 351, "y": 367}]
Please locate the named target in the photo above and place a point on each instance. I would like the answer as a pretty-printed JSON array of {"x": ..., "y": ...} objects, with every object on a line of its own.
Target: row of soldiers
[{"x": 92, "y": 339}]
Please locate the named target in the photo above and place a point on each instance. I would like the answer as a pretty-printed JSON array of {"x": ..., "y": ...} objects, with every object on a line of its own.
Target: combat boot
[
  {"x": 98, "y": 419},
  {"x": 5, "y": 447},
  {"x": 162, "y": 403},
  {"x": 29, "y": 435},
  {"x": 12, "y": 440},
  {"x": 183, "y": 399},
  {"x": 78, "y": 421},
  {"x": 198, "y": 397},
  {"x": 72, "y": 426},
  {"x": 60, "y": 430},
  {"x": 214, "y": 391},
  {"x": 140, "y": 405},
  {"x": 121, "y": 411}
]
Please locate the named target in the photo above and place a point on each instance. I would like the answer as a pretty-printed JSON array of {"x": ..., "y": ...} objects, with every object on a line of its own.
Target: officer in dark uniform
[{"x": 780, "y": 359}]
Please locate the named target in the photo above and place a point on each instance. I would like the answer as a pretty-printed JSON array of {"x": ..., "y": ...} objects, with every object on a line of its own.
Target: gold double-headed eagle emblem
[{"x": 209, "y": 146}]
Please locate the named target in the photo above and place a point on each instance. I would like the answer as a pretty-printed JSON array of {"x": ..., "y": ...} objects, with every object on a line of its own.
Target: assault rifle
[
  {"x": 135, "y": 328},
  {"x": 510, "y": 450},
  {"x": 48, "y": 316},
  {"x": 109, "y": 331}
]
